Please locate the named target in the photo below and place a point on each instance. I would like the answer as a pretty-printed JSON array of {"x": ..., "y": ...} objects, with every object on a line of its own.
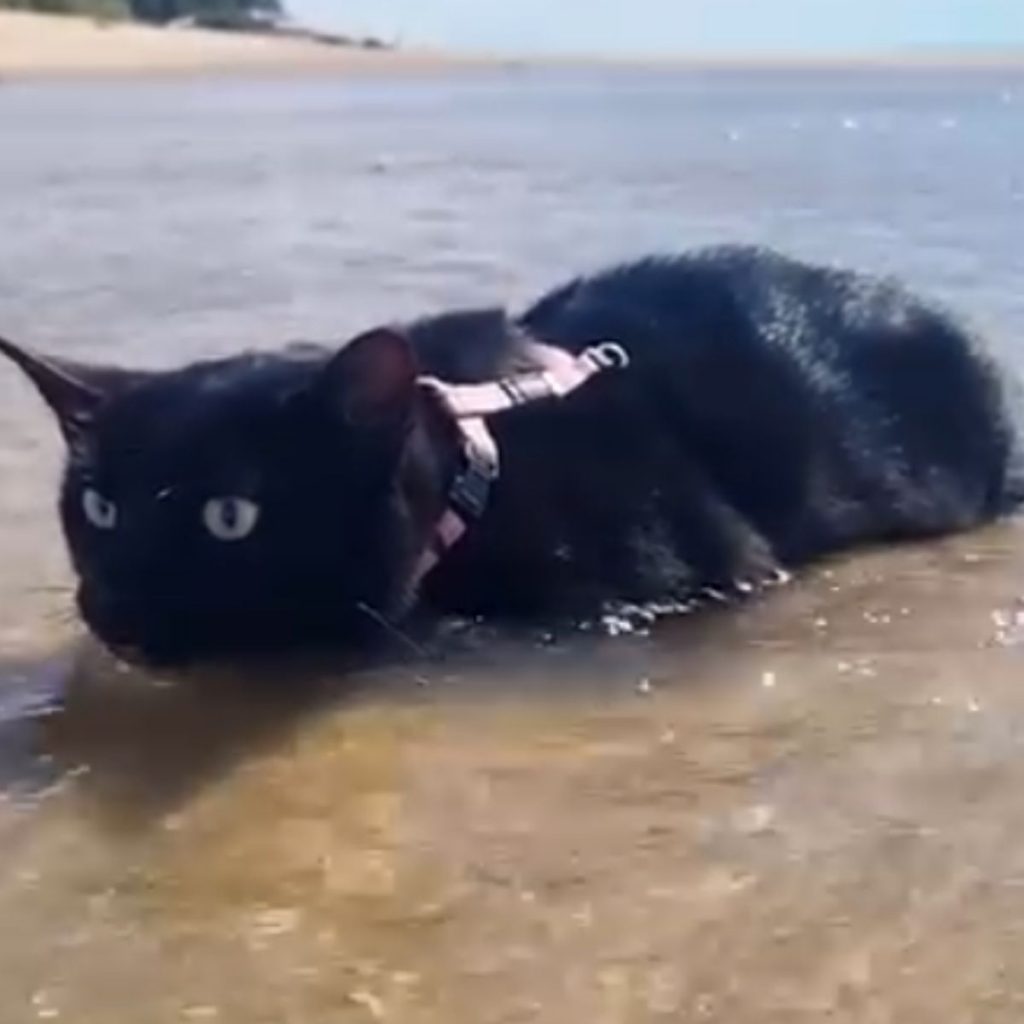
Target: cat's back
[
  {"x": 770, "y": 369},
  {"x": 727, "y": 296},
  {"x": 746, "y": 332}
]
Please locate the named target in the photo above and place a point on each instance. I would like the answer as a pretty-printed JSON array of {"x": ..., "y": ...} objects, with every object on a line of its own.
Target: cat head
[{"x": 264, "y": 501}]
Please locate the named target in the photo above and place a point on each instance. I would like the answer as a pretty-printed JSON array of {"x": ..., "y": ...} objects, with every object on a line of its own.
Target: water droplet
[
  {"x": 369, "y": 1002},
  {"x": 204, "y": 1012},
  {"x": 754, "y": 820}
]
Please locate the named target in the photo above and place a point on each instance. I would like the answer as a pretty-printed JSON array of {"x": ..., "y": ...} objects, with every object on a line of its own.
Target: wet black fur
[{"x": 772, "y": 412}]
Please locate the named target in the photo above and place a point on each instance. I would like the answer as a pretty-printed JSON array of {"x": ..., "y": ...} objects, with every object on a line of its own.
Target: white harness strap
[{"x": 468, "y": 404}]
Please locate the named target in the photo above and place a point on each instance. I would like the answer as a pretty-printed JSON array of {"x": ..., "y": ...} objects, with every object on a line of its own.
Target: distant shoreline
[
  {"x": 45, "y": 45},
  {"x": 48, "y": 46}
]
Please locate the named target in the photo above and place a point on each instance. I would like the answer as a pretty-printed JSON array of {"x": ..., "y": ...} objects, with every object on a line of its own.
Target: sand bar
[
  {"x": 48, "y": 45},
  {"x": 39, "y": 45}
]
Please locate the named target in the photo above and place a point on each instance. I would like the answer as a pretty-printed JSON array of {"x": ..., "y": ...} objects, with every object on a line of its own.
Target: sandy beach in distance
[
  {"x": 54, "y": 45},
  {"x": 38, "y": 44}
]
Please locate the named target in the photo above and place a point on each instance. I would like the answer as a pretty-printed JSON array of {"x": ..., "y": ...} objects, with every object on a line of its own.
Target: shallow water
[{"x": 803, "y": 808}]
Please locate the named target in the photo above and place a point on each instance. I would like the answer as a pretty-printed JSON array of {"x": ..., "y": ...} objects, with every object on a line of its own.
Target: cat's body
[{"x": 771, "y": 412}]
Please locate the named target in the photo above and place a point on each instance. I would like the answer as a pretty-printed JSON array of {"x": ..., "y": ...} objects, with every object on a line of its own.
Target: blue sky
[{"x": 676, "y": 26}]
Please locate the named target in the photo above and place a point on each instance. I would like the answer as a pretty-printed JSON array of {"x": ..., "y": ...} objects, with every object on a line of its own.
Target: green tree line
[{"x": 158, "y": 11}]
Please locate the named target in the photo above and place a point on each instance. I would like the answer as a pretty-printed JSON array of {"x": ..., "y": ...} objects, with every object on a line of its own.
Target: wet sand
[{"x": 805, "y": 808}]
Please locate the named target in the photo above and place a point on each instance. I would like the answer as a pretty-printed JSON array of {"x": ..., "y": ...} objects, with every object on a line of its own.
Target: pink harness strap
[{"x": 470, "y": 403}]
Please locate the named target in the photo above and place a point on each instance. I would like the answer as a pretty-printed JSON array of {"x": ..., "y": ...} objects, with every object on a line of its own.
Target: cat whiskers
[
  {"x": 64, "y": 616},
  {"x": 392, "y": 630},
  {"x": 63, "y": 609}
]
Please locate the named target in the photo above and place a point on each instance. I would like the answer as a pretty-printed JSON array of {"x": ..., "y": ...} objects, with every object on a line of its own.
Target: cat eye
[
  {"x": 101, "y": 512},
  {"x": 230, "y": 519}
]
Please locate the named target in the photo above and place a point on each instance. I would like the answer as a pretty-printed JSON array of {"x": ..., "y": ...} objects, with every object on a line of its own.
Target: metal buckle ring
[{"x": 608, "y": 355}]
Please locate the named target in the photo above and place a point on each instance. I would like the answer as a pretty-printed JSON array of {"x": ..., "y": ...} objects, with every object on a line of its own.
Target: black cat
[{"x": 770, "y": 412}]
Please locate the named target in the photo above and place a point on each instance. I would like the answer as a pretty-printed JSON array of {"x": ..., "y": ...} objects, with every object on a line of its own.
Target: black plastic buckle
[{"x": 472, "y": 487}]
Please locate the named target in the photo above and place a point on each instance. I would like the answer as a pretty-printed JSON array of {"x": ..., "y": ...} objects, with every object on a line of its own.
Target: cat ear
[
  {"x": 372, "y": 380},
  {"x": 73, "y": 391}
]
